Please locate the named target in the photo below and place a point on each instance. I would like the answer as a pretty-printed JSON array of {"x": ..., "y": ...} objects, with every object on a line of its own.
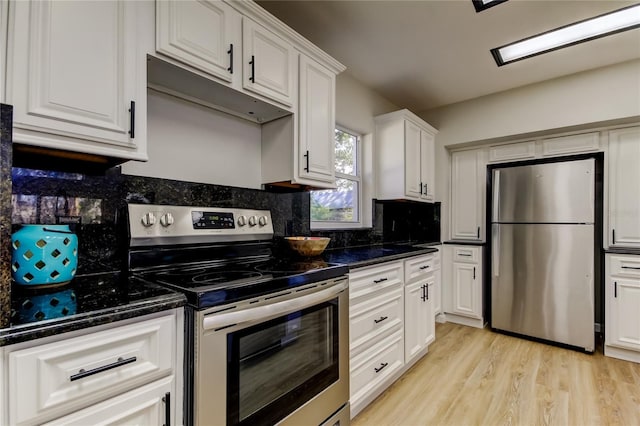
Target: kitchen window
[{"x": 340, "y": 207}]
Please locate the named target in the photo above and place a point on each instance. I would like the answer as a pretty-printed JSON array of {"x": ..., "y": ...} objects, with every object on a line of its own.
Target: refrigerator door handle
[
  {"x": 496, "y": 196},
  {"x": 495, "y": 244}
]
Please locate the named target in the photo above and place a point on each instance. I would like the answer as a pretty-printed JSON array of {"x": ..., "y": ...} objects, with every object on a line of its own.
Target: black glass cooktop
[{"x": 216, "y": 283}]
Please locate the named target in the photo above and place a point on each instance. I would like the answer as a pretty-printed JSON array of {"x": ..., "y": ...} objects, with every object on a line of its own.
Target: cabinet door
[
  {"x": 317, "y": 122},
  {"x": 624, "y": 197},
  {"x": 143, "y": 406},
  {"x": 466, "y": 289},
  {"x": 428, "y": 165},
  {"x": 623, "y": 313},
  {"x": 413, "y": 161},
  {"x": 468, "y": 189},
  {"x": 268, "y": 68},
  {"x": 437, "y": 293},
  {"x": 415, "y": 319},
  {"x": 203, "y": 34},
  {"x": 74, "y": 71}
]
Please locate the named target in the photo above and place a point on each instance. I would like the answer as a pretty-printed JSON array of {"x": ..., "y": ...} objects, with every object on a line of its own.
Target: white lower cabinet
[
  {"x": 462, "y": 285},
  {"x": 622, "y": 307},
  {"x": 419, "y": 299},
  {"x": 125, "y": 372},
  {"x": 376, "y": 332},
  {"x": 390, "y": 324}
]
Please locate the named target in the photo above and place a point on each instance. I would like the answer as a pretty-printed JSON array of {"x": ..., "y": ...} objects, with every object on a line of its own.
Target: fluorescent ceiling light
[
  {"x": 610, "y": 23},
  {"x": 481, "y": 5}
]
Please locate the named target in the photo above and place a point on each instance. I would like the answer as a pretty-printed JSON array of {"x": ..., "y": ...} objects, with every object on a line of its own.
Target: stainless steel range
[{"x": 266, "y": 337}]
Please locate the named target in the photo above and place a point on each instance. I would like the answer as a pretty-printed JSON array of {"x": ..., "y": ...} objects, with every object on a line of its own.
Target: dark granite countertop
[
  {"x": 86, "y": 301},
  {"x": 357, "y": 257}
]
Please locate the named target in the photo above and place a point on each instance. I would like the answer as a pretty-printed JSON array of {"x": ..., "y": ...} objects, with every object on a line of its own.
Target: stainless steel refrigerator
[{"x": 542, "y": 251}]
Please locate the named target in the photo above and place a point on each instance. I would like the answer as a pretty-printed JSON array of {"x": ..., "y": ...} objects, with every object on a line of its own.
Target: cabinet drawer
[
  {"x": 56, "y": 378},
  {"x": 466, "y": 254},
  {"x": 624, "y": 266},
  {"x": 418, "y": 267},
  {"x": 375, "y": 278},
  {"x": 371, "y": 368},
  {"x": 375, "y": 317}
]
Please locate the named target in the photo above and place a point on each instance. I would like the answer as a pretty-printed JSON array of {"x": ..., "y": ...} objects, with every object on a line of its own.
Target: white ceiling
[{"x": 427, "y": 53}]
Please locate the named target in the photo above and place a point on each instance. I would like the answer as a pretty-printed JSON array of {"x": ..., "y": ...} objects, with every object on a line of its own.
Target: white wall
[
  {"x": 356, "y": 105},
  {"x": 193, "y": 143},
  {"x": 605, "y": 95}
]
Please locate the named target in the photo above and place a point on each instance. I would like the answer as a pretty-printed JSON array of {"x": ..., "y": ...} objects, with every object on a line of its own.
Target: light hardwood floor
[{"x": 478, "y": 377}]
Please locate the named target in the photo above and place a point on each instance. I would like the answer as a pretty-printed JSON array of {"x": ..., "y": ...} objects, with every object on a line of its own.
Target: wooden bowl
[{"x": 308, "y": 246}]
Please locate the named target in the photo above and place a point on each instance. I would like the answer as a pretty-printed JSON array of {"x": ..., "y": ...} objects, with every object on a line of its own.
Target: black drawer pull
[
  {"x": 630, "y": 267},
  {"x": 464, "y": 254},
  {"x": 82, "y": 373},
  {"x": 380, "y": 280},
  {"x": 382, "y": 366},
  {"x": 425, "y": 267},
  {"x": 380, "y": 320}
]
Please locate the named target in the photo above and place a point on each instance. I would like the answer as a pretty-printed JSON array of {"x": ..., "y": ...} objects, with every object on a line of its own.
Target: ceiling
[{"x": 424, "y": 54}]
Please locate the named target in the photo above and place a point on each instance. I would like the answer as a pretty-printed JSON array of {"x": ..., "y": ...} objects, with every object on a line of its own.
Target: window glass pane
[
  {"x": 336, "y": 205},
  {"x": 345, "y": 152}
]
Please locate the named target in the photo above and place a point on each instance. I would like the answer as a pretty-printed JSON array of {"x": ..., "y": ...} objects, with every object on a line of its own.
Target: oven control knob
[
  {"x": 253, "y": 220},
  {"x": 242, "y": 220},
  {"x": 149, "y": 219},
  {"x": 167, "y": 220},
  {"x": 263, "y": 221}
]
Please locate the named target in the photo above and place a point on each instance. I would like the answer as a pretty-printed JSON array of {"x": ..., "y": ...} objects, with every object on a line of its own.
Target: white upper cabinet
[
  {"x": 76, "y": 76},
  {"x": 468, "y": 194},
  {"x": 405, "y": 157},
  {"x": 268, "y": 63},
  {"x": 624, "y": 196},
  {"x": 316, "y": 112},
  {"x": 203, "y": 34}
]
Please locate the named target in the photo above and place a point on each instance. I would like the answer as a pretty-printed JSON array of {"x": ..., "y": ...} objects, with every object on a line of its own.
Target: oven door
[{"x": 279, "y": 360}]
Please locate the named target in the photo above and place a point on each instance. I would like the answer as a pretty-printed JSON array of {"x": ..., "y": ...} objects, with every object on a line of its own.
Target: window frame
[{"x": 357, "y": 178}]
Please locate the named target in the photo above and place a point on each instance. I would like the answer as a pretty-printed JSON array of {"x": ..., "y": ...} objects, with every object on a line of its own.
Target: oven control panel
[{"x": 159, "y": 224}]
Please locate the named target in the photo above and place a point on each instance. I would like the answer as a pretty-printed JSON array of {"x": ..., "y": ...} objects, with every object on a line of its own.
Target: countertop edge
[
  {"x": 390, "y": 258},
  {"x": 464, "y": 243},
  {"x": 34, "y": 331}
]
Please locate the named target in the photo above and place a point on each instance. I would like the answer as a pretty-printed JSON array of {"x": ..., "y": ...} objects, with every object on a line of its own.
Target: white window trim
[{"x": 316, "y": 225}]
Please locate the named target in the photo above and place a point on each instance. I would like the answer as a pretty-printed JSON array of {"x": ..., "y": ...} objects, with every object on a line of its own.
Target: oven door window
[{"x": 276, "y": 366}]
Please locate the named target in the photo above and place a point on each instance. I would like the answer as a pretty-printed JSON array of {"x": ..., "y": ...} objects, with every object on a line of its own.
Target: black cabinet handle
[
  {"x": 426, "y": 187},
  {"x": 424, "y": 267},
  {"x": 230, "y": 52},
  {"x": 424, "y": 296},
  {"x": 167, "y": 409},
  {"x": 427, "y": 287},
  {"x": 306, "y": 169},
  {"x": 380, "y": 320},
  {"x": 615, "y": 289},
  {"x": 474, "y": 272},
  {"x": 132, "y": 119},
  {"x": 630, "y": 267},
  {"x": 253, "y": 69},
  {"x": 380, "y": 280},
  {"x": 382, "y": 366},
  {"x": 82, "y": 373},
  {"x": 613, "y": 235},
  {"x": 464, "y": 254},
  {"x": 478, "y": 232},
  {"x": 420, "y": 188}
]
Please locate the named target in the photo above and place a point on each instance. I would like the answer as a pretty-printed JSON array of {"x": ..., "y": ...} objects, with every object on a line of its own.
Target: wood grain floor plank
[{"x": 478, "y": 377}]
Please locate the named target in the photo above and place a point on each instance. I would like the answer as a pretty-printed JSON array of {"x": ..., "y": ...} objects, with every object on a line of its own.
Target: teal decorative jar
[{"x": 44, "y": 255}]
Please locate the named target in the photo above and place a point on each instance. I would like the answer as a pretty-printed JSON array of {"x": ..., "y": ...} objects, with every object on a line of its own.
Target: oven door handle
[{"x": 226, "y": 319}]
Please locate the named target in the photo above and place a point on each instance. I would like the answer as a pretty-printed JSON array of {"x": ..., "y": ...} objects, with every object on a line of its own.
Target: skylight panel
[{"x": 600, "y": 26}]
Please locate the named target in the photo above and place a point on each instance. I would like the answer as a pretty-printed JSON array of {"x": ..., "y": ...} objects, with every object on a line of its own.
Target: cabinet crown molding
[{"x": 406, "y": 115}]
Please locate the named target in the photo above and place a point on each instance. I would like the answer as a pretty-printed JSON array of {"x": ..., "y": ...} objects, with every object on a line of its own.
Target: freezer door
[
  {"x": 561, "y": 192},
  {"x": 542, "y": 280}
]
